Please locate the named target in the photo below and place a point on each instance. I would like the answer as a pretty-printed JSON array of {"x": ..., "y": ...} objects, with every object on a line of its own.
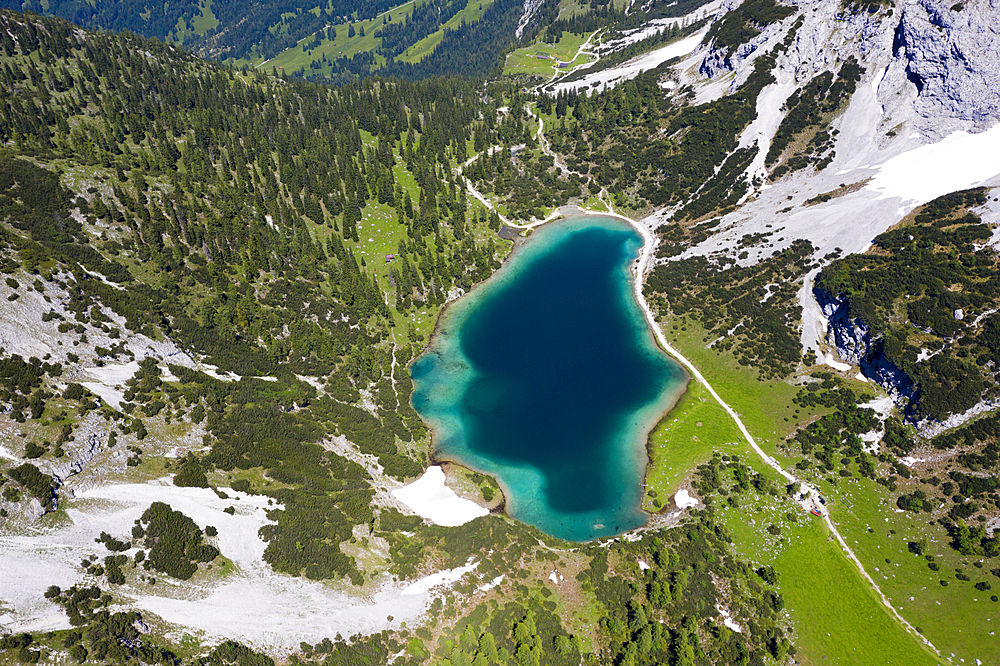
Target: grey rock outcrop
[
  {"x": 856, "y": 344},
  {"x": 825, "y": 38},
  {"x": 953, "y": 57},
  {"x": 531, "y": 8},
  {"x": 718, "y": 60},
  {"x": 86, "y": 453}
]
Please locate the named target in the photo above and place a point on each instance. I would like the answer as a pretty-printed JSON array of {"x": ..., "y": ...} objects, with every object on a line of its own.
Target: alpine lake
[{"x": 548, "y": 378}]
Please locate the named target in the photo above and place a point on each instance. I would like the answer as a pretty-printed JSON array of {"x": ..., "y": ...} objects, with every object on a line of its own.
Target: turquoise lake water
[{"x": 547, "y": 377}]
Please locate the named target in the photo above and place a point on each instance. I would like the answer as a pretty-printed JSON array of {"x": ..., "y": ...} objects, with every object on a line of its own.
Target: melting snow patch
[
  {"x": 316, "y": 382},
  {"x": 213, "y": 371},
  {"x": 881, "y": 406},
  {"x": 835, "y": 364},
  {"x": 254, "y": 605},
  {"x": 114, "y": 374},
  {"x": 728, "y": 621},
  {"x": 446, "y": 577},
  {"x": 490, "y": 585},
  {"x": 871, "y": 441},
  {"x": 877, "y": 81},
  {"x": 684, "y": 500},
  {"x": 110, "y": 395},
  {"x": 430, "y": 498},
  {"x": 238, "y": 537},
  {"x": 959, "y": 161},
  {"x": 910, "y": 461},
  {"x": 643, "y": 566},
  {"x": 168, "y": 376},
  {"x": 861, "y": 377},
  {"x": 614, "y": 75}
]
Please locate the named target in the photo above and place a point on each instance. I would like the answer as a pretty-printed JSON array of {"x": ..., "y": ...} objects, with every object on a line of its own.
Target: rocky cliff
[
  {"x": 952, "y": 55},
  {"x": 857, "y": 344},
  {"x": 947, "y": 50}
]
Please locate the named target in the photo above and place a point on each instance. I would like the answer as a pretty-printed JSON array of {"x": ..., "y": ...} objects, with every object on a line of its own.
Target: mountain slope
[{"x": 198, "y": 260}]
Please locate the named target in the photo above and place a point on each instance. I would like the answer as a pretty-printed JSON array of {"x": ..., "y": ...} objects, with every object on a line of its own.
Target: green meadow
[
  {"x": 299, "y": 57},
  {"x": 837, "y": 615},
  {"x": 541, "y": 58}
]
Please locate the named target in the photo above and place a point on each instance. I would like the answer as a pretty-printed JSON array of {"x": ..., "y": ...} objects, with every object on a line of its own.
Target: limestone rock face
[
  {"x": 91, "y": 446},
  {"x": 531, "y": 8},
  {"x": 718, "y": 61},
  {"x": 826, "y": 37},
  {"x": 952, "y": 55},
  {"x": 947, "y": 50},
  {"x": 856, "y": 344}
]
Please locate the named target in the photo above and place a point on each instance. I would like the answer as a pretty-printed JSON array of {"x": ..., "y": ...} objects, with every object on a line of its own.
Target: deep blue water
[{"x": 547, "y": 377}]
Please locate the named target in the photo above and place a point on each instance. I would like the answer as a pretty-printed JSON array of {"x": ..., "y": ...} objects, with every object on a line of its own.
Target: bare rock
[{"x": 952, "y": 55}]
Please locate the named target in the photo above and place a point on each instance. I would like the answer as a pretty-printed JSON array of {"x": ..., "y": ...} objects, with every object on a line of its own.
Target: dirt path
[
  {"x": 811, "y": 496},
  {"x": 811, "y": 500},
  {"x": 585, "y": 49}
]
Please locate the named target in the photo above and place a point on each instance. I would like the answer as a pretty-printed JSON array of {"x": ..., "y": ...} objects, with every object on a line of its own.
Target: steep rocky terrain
[{"x": 214, "y": 281}]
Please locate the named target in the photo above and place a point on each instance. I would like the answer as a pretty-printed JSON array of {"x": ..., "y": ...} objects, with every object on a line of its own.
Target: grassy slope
[
  {"x": 965, "y": 628},
  {"x": 910, "y": 584},
  {"x": 294, "y": 58},
  {"x": 689, "y": 434},
  {"x": 473, "y": 11},
  {"x": 526, "y": 61},
  {"x": 202, "y": 23},
  {"x": 837, "y": 615}
]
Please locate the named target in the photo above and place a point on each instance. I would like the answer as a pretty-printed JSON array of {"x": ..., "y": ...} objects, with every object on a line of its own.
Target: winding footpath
[
  {"x": 811, "y": 501},
  {"x": 810, "y": 495}
]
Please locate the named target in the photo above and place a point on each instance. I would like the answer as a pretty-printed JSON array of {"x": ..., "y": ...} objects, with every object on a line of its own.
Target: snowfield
[
  {"x": 684, "y": 500},
  {"x": 430, "y": 498},
  {"x": 959, "y": 161},
  {"x": 446, "y": 577},
  {"x": 612, "y": 76},
  {"x": 253, "y": 604}
]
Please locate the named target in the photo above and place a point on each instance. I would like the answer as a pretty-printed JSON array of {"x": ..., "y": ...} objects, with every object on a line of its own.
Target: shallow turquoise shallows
[{"x": 547, "y": 377}]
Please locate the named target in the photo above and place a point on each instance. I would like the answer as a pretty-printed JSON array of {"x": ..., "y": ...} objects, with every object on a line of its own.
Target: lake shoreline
[
  {"x": 638, "y": 277},
  {"x": 671, "y": 392}
]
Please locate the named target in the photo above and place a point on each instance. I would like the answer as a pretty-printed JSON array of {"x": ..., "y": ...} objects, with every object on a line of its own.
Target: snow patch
[
  {"x": 877, "y": 81},
  {"x": 959, "y": 161},
  {"x": 881, "y": 406},
  {"x": 316, "y": 382},
  {"x": 114, "y": 374},
  {"x": 446, "y": 577},
  {"x": 829, "y": 360},
  {"x": 490, "y": 585},
  {"x": 238, "y": 537},
  {"x": 643, "y": 566},
  {"x": 612, "y": 76},
  {"x": 871, "y": 441},
  {"x": 111, "y": 396},
  {"x": 430, "y": 498},
  {"x": 728, "y": 620},
  {"x": 684, "y": 500},
  {"x": 213, "y": 371}
]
